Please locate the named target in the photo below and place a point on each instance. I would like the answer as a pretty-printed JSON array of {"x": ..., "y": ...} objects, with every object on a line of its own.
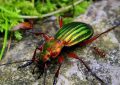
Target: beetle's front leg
[
  {"x": 40, "y": 48},
  {"x": 60, "y": 60},
  {"x": 34, "y": 59},
  {"x": 24, "y": 65},
  {"x": 45, "y": 36},
  {"x": 73, "y": 55},
  {"x": 43, "y": 71}
]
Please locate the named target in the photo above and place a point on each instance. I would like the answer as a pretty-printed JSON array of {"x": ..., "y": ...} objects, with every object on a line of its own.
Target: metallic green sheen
[{"x": 74, "y": 33}]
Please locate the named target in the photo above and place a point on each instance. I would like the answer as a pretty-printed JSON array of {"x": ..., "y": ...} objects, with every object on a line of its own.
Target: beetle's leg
[
  {"x": 60, "y": 21},
  {"x": 45, "y": 73},
  {"x": 33, "y": 58},
  {"x": 89, "y": 41},
  {"x": 33, "y": 70},
  {"x": 56, "y": 75},
  {"x": 40, "y": 69},
  {"x": 30, "y": 62},
  {"x": 24, "y": 26},
  {"x": 37, "y": 65},
  {"x": 97, "y": 36},
  {"x": 46, "y": 37},
  {"x": 60, "y": 60},
  {"x": 98, "y": 51},
  {"x": 38, "y": 48},
  {"x": 73, "y": 55},
  {"x": 44, "y": 70},
  {"x": 24, "y": 65}
]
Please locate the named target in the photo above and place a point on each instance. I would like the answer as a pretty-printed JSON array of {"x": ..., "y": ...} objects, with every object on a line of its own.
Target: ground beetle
[{"x": 74, "y": 33}]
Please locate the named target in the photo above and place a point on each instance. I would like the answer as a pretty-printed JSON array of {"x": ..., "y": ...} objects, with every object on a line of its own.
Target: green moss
[{"x": 11, "y": 11}]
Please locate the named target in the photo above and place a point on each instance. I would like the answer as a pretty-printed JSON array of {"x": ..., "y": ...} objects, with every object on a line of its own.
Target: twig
[{"x": 52, "y": 13}]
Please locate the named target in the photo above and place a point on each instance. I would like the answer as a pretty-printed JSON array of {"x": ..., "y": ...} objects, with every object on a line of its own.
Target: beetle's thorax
[{"x": 51, "y": 49}]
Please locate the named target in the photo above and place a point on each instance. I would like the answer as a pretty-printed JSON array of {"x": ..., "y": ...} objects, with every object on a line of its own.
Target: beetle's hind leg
[
  {"x": 98, "y": 51},
  {"x": 89, "y": 41},
  {"x": 73, "y": 55}
]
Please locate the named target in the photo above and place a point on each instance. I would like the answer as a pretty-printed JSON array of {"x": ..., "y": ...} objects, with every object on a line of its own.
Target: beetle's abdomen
[{"x": 74, "y": 33}]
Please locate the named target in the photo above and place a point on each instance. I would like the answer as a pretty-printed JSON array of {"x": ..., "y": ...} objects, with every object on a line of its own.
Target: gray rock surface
[{"x": 101, "y": 16}]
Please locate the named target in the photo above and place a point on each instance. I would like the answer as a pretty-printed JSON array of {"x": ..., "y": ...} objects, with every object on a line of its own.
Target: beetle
[{"x": 71, "y": 34}]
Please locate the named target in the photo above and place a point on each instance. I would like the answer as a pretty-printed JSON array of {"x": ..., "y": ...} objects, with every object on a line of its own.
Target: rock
[{"x": 101, "y": 15}]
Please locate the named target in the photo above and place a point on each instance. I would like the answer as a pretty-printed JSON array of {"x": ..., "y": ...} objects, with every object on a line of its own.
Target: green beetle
[{"x": 74, "y": 33}]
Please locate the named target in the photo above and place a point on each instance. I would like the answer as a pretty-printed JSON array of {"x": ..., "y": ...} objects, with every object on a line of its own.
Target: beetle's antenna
[{"x": 15, "y": 62}]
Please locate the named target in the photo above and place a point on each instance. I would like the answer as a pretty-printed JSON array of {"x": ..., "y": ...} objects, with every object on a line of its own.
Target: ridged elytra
[{"x": 74, "y": 33}]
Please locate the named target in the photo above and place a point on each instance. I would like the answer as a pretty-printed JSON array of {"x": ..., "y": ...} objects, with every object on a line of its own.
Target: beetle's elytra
[{"x": 74, "y": 32}]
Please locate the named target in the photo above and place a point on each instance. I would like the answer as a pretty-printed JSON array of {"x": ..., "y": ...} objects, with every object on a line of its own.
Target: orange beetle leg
[
  {"x": 89, "y": 40},
  {"x": 46, "y": 37},
  {"x": 98, "y": 51},
  {"x": 38, "y": 48},
  {"x": 60, "y": 21},
  {"x": 97, "y": 36},
  {"x": 60, "y": 60},
  {"x": 73, "y": 55},
  {"x": 24, "y": 26},
  {"x": 33, "y": 58}
]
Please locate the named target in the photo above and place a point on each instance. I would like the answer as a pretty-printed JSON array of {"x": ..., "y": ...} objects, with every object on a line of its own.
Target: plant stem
[
  {"x": 33, "y": 2},
  {"x": 52, "y": 13},
  {"x": 9, "y": 43},
  {"x": 5, "y": 40}
]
